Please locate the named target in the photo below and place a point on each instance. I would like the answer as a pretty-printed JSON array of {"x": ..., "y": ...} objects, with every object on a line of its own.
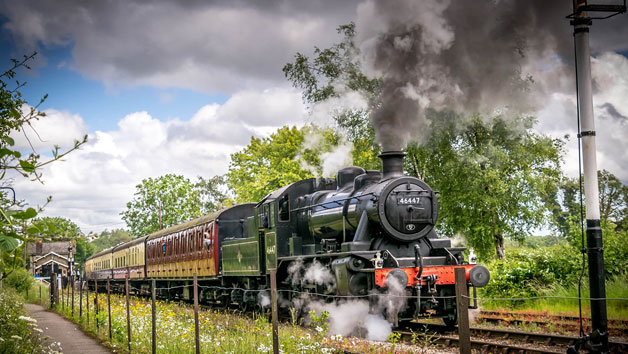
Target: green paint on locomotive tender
[{"x": 241, "y": 257}]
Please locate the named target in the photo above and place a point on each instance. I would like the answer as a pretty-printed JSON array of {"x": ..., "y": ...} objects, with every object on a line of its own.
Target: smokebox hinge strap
[{"x": 586, "y": 133}]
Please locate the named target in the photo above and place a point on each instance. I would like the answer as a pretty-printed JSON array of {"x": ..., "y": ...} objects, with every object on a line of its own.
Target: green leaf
[
  {"x": 27, "y": 166},
  {"x": 7, "y": 243},
  {"x": 33, "y": 230},
  {"x": 5, "y": 152},
  {"x": 24, "y": 215},
  {"x": 9, "y": 140}
]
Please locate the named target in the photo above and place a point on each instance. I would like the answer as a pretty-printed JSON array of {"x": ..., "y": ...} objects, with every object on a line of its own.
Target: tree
[
  {"x": 56, "y": 228},
  {"x": 330, "y": 72},
  {"x": 491, "y": 173},
  {"x": 267, "y": 164},
  {"x": 493, "y": 176},
  {"x": 171, "y": 196},
  {"x": 213, "y": 193},
  {"x": 565, "y": 204},
  {"x": 16, "y": 116},
  {"x": 108, "y": 239}
]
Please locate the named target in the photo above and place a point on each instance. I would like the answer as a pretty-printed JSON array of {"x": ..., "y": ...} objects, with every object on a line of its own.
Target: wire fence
[{"x": 66, "y": 299}]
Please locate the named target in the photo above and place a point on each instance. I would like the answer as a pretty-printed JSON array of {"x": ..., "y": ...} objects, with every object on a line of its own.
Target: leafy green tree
[
  {"x": 330, "y": 72},
  {"x": 56, "y": 228},
  {"x": 214, "y": 193},
  {"x": 14, "y": 118},
  {"x": 84, "y": 249},
  {"x": 111, "y": 238},
  {"x": 267, "y": 164},
  {"x": 492, "y": 175},
  {"x": 171, "y": 196}
]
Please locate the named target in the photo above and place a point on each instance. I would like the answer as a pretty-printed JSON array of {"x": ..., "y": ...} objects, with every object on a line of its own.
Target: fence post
[
  {"x": 109, "y": 305},
  {"x": 72, "y": 297},
  {"x": 54, "y": 295},
  {"x": 128, "y": 310},
  {"x": 87, "y": 302},
  {"x": 67, "y": 293},
  {"x": 154, "y": 311},
  {"x": 80, "y": 298},
  {"x": 196, "y": 334},
  {"x": 462, "y": 305},
  {"x": 273, "y": 295},
  {"x": 96, "y": 302},
  {"x": 62, "y": 297}
]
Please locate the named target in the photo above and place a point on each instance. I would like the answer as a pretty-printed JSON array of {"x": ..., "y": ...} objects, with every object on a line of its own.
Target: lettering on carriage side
[{"x": 271, "y": 249}]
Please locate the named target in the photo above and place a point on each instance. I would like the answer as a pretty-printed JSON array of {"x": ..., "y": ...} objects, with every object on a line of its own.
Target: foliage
[
  {"x": 267, "y": 164},
  {"x": 111, "y": 238},
  {"x": 331, "y": 72},
  {"x": 84, "y": 249},
  {"x": 213, "y": 193},
  {"x": 172, "y": 196},
  {"x": 55, "y": 228},
  {"x": 492, "y": 175},
  {"x": 19, "y": 279},
  {"x": 530, "y": 272},
  {"x": 566, "y": 212},
  {"x": 15, "y": 117},
  {"x": 17, "y": 330}
]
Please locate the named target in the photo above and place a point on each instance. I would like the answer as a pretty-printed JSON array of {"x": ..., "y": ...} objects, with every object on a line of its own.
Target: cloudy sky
[{"x": 177, "y": 86}]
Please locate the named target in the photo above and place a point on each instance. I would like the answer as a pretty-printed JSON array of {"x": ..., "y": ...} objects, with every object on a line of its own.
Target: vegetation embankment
[{"x": 220, "y": 331}]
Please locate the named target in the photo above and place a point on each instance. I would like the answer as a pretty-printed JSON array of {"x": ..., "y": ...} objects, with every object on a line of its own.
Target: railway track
[
  {"x": 616, "y": 327},
  {"x": 501, "y": 340}
]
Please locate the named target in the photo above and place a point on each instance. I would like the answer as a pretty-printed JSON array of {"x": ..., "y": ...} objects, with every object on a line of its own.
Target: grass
[
  {"x": 617, "y": 287},
  {"x": 220, "y": 331}
]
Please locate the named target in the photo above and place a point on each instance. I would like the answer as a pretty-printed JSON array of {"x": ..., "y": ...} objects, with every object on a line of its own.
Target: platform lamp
[{"x": 581, "y": 19}]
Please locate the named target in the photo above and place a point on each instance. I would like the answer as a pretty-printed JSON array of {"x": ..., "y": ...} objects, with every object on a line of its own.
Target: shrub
[
  {"x": 16, "y": 328},
  {"x": 20, "y": 280},
  {"x": 530, "y": 272}
]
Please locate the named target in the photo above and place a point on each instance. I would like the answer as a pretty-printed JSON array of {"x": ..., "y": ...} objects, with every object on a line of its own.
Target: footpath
[{"x": 62, "y": 335}]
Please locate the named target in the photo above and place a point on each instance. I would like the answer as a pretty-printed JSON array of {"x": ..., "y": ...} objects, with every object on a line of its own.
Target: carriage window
[{"x": 284, "y": 208}]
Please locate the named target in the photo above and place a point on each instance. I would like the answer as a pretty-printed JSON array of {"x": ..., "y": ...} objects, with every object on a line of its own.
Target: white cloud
[
  {"x": 56, "y": 128},
  {"x": 558, "y": 117},
  {"x": 92, "y": 185}
]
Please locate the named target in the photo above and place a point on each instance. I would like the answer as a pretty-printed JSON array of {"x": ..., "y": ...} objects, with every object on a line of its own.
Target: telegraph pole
[{"x": 597, "y": 340}]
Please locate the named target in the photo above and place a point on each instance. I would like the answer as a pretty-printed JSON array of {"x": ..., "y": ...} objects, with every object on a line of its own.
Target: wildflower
[
  {"x": 16, "y": 337},
  {"x": 319, "y": 329},
  {"x": 27, "y": 319},
  {"x": 38, "y": 330}
]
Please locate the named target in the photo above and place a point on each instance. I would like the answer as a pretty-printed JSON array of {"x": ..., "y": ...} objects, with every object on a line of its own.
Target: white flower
[
  {"x": 16, "y": 337},
  {"x": 27, "y": 319},
  {"x": 38, "y": 330},
  {"x": 319, "y": 329}
]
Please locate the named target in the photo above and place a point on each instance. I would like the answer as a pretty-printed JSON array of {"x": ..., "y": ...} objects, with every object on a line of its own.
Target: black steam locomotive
[{"x": 371, "y": 232}]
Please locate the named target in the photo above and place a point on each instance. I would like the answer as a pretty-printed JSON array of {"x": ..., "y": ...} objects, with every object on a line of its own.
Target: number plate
[{"x": 409, "y": 201}]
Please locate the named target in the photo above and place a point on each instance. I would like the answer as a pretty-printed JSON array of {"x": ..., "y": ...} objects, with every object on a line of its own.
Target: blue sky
[{"x": 176, "y": 87}]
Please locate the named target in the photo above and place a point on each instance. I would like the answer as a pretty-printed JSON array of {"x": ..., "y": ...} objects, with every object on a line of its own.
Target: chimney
[{"x": 392, "y": 164}]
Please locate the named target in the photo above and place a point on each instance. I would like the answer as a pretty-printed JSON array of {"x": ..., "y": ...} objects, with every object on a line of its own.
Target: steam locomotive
[{"x": 372, "y": 232}]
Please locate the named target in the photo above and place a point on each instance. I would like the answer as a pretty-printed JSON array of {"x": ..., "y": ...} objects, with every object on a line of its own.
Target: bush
[
  {"x": 20, "y": 280},
  {"x": 530, "y": 272},
  {"x": 16, "y": 328}
]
